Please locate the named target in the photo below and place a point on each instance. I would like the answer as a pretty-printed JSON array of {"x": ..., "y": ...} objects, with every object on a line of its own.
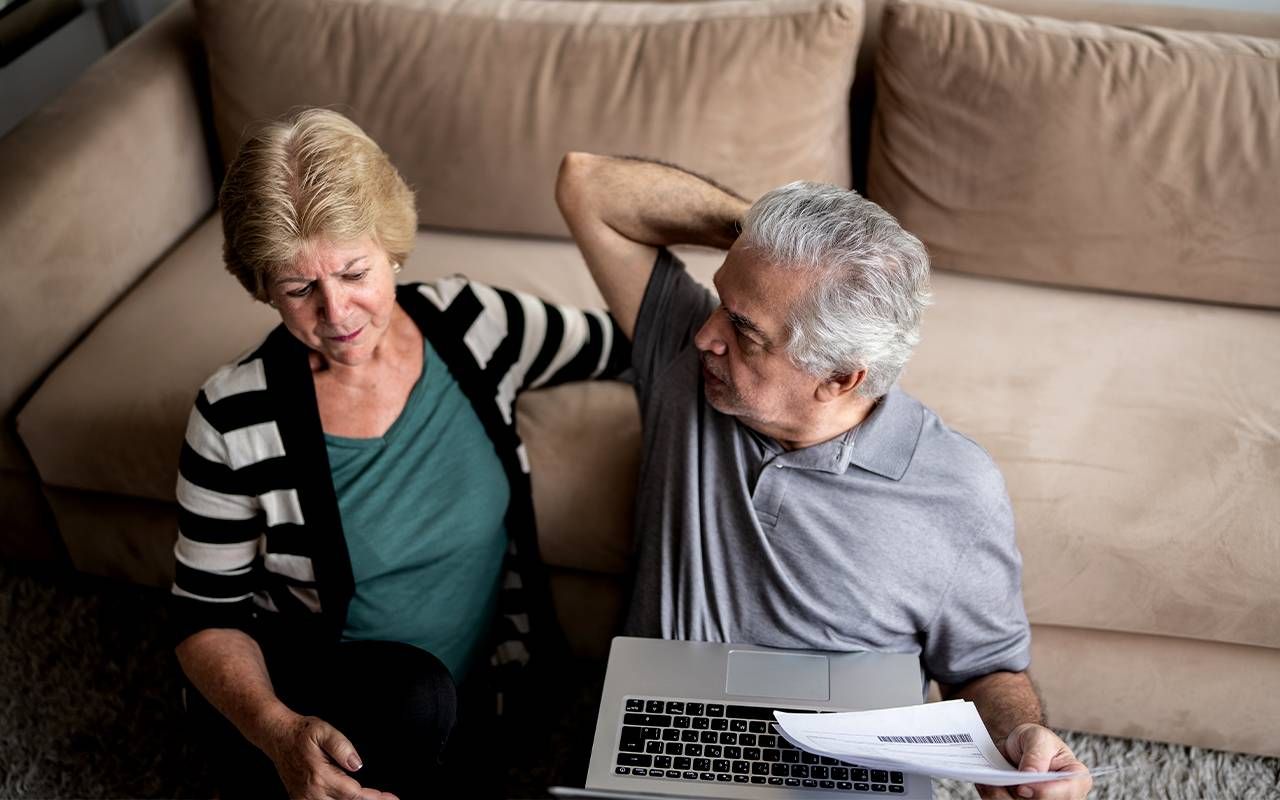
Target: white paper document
[{"x": 941, "y": 740}]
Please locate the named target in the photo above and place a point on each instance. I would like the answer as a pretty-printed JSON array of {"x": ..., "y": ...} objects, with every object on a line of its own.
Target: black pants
[{"x": 395, "y": 702}]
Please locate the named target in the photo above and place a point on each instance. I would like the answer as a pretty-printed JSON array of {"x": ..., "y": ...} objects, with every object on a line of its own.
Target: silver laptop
[{"x": 695, "y": 719}]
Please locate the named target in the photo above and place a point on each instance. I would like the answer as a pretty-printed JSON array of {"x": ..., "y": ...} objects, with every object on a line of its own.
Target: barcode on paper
[{"x": 951, "y": 738}]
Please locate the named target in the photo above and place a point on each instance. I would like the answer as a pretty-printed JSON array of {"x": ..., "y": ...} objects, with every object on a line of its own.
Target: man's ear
[{"x": 837, "y": 387}]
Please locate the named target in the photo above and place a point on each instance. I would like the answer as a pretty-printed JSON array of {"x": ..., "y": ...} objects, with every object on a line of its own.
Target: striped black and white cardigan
[{"x": 260, "y": 537}]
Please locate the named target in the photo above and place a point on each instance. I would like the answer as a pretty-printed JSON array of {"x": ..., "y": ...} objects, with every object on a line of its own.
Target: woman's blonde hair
[{"x": 313, "y": 176}]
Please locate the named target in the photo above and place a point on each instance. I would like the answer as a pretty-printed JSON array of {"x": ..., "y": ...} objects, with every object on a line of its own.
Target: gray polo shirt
[{"x": 896, "y": 536}]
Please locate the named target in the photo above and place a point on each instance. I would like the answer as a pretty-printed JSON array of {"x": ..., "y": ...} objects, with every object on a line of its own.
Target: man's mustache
[{"x": 713, "y": 369}]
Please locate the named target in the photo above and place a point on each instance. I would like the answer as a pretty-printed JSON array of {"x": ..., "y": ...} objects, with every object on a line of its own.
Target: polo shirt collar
[
  {"x": 882, "y": 443},
  {"x": 829, "y": 456},
  {"x": 886, "y": 440}
]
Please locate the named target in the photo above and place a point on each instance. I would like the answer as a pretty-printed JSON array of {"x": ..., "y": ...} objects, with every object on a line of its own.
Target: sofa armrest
[{"x": 97, "y": 186}]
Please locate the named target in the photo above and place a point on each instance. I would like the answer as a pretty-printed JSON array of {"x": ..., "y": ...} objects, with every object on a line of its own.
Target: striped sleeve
[
  {"x": 220, "y": 518},
  {"x": 521, "y": 342}
]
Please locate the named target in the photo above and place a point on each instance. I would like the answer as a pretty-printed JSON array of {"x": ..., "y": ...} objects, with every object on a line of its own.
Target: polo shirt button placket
[{"x": 767, "y": 498}]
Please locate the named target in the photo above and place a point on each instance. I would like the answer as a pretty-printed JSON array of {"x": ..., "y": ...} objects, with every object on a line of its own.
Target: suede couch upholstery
[{"x": 1131, "y": 406}]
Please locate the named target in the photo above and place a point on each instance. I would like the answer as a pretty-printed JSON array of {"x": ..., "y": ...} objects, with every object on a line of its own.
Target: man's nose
[{"x": 710, "y": 337}]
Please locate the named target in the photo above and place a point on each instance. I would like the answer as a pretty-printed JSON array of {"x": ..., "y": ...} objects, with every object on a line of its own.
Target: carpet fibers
[{"x": 89, "y": 708}]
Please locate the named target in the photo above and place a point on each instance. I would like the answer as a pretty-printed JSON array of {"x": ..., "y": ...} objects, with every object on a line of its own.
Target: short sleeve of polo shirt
[
  {"x": 673, "y": 308},
  {"x": 981, "y": 626}
]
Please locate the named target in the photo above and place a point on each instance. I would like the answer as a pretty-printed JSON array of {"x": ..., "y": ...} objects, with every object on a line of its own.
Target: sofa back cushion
[
  {"x": 1142, "y": 160},
  {"x": 477, "y": 101}
]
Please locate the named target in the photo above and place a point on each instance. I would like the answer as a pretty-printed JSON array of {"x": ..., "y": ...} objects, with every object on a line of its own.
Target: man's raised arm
[{"x": 620, "y": 210}]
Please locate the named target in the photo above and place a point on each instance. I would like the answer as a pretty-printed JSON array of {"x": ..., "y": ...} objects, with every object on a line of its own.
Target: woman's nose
[{"x": 333, "y": 303}]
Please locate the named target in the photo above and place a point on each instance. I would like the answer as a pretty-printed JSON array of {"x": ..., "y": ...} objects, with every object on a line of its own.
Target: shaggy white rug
[
  {"x": 89, "y": 708},
  {"x": 1155, "y": 770}
]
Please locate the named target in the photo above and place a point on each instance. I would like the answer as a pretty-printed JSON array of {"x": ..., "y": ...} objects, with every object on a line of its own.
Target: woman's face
[{"x": 337, "y": 298}]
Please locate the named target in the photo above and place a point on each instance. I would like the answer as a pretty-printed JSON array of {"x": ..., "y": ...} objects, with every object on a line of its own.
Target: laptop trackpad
[{"x": 795, "y": 676}]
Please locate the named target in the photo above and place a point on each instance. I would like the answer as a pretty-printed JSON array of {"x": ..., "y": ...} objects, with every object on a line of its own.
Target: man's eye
[
  {"x": 746, "y": 342},
  {"x": 356, "y": 276},
  {"x": 302, "y": 292}
]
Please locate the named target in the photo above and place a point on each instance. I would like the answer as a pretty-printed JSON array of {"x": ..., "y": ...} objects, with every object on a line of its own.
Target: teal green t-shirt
[{"x": 422, "y": 511}]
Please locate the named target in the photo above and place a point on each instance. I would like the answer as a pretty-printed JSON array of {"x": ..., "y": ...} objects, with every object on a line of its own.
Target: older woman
[{"x": 349, "y": 489}]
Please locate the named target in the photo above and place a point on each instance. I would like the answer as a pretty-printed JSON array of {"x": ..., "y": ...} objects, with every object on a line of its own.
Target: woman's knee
[
  {"x": 430, "y": 692},
  {"x": 411, "y": 686}
]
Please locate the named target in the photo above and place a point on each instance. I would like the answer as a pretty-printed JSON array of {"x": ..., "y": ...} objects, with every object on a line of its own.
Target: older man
[{"x": 790, "y": 493}]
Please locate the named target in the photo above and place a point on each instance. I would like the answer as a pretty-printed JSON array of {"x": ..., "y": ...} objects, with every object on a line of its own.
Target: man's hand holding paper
[
  {"x": 945, "y": 740},
  {"x": 1035, "y": 748}
]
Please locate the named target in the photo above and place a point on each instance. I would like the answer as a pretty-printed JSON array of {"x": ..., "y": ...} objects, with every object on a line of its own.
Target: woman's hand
[{"x": 313, "y": 759}]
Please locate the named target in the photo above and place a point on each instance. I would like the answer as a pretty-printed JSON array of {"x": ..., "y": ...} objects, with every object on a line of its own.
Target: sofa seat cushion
[
  {"x": 476, "y": 102},
  {"x": 1142, "y": 159},
  {"x": 111, "y": 417},
  {"x": 1140, "y": 442}
]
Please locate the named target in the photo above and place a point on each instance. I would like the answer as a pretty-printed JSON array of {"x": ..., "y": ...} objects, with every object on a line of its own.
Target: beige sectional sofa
[{"x": 1102, "y": 206}]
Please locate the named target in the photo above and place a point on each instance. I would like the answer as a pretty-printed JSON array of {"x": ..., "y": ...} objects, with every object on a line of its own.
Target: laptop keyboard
[{"x": 685, "y": 740}]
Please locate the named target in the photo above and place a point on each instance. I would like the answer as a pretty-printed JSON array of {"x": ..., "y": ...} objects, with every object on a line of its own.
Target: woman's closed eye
[{"x": 349, "y": 277}]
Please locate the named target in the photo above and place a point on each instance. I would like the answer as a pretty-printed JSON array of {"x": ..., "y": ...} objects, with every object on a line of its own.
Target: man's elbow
[{"x": 573, "y": 180}]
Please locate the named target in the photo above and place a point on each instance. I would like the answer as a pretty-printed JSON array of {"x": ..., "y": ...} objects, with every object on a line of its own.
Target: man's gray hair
[{"x": 870, "y": 287}]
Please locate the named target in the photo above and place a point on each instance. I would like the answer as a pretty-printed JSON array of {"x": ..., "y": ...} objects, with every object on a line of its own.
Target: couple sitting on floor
[{"x": 354, "y": 566}]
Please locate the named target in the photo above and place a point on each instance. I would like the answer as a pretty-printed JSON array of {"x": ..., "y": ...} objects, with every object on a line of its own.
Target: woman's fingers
[
  {"x": 340, "y": 751},
  {"x": 337, "y": 747},
  {"x": 313, "y": 760},
  {"x": 337, "y": 785},
  {"x": 310, "y": 765}
]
